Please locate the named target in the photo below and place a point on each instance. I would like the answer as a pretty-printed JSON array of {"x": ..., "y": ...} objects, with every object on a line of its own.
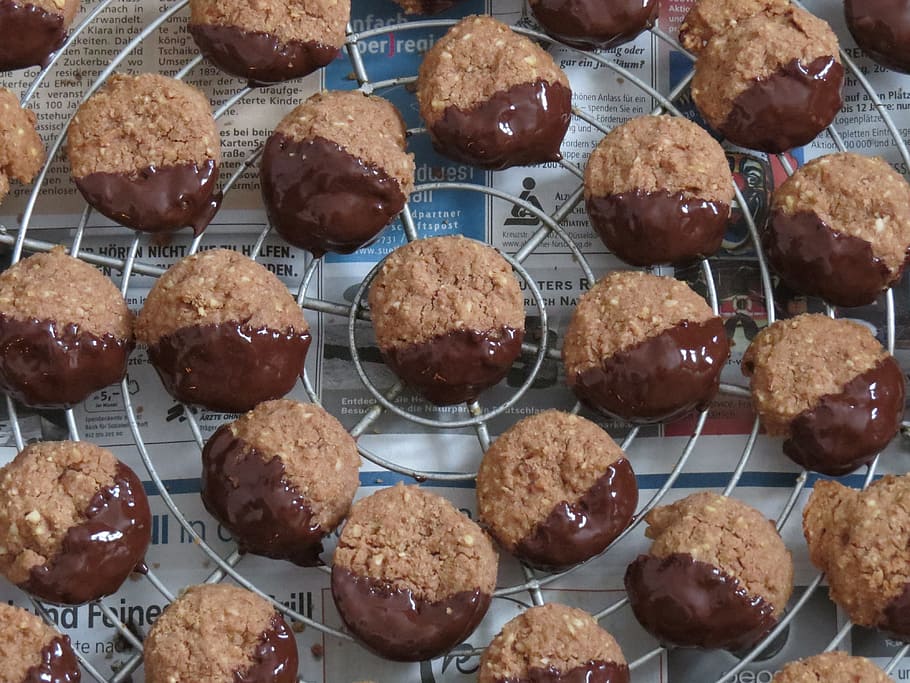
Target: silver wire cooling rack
[{"x": 477, "y": 416}]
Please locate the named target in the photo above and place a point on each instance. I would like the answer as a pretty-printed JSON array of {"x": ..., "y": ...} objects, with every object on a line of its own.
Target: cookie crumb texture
[
  {"x": 223, "y": 332},
  {"x": 31, "y": 31},
  {"x": 74, "y": 521},
  {"x": 717, "y": 575},
  {"x": 30, "y": 650},
  {"x": 708, "y": 18},
  {"x": 882, "y": 30},
  {"x": 412, "y": 576},
  {"x": 644, "y": 348},
  {"x": 770, "y": 82},
  {"x": 840, "y": 228},
  {"x": 832, "y": 667},
  {"x": 493, "y": 98},
  {"x": 21, "y": 149},
  {"x": 860, "y": 539},
  {"x": 219, "y": 632},
  {"x": 555, "y": 490},
  {"x": 144, "y": 151},
  {"x": 336, "y": 171},
  {"x": 590, "y": 25},
  {"x": 553, "y": 642},
  {"x": 269, "y": 41},
  {"x": 448, "y": 316}
]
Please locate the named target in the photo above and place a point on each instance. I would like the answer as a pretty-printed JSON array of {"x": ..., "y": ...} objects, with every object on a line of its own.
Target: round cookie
[
  {"x": 882, "y": 29},
  {"x": 644, "y": 348},
  {"x": 269, "y": 42},
  {"x": 144, "y": 151},
  {"x": 590, "y": 25},
  {"x": 859, "y": 539},
  {"x": 839, "y": 228},
  {"x": 708, "y": 18},
  {"x": 31, "y": 31},
  {"x": 553, "y": 642},
  {"x": 832, "y": 667},
  {"x": 212, "y": 341},
  {"x": 412, "y": 576},
  {"x": 335, "y": 172},
  {"x": 65, "y": 330},
  {"x": 74, "y": 521},
  {"x": 280, "y": 478},
  {"x": 218, "y": 632},
  {"x": 771, "y": 82},
  {"x": 32, "y": 651},
  {"x": 718, "y": 574},
  {"x": 555, "y": 490},
  {"x": 658, "y": 189},
  {"x": 449, "y": 317},
  {"x": 829, "y": 388},
  {"x": 21, "y": 150},
  {"x": 493, "y": 98}
]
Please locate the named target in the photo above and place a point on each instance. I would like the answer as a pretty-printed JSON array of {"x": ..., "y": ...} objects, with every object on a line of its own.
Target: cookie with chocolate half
[
  {"x": 31, "y": 31},
  {"x": 708, "y": 18},
  {"x": 592, "y": 25},
  {"x": 31, "y": 651},
  {"x": 74, "y": 521},
  {"x": 21, "y": 150},
  {"x": 514, "y": 107},
  {"x": 144, "y": 151},
  {"x": 412, "y": 577},
  {"x": 658, "y": 189},
  {"x": 555, "y": 490},
  {"x": 644, "y": 348},
  {"x": 717, "y": 575},
  {"x": 336, "y": 172},
  {"x": 213, "y": 342},
  {"x": 832, "y": 667},
  {"x": 839, "y": 228},
  {"x": 882, "y": 29},
  {"x": 219, "y": 632}
]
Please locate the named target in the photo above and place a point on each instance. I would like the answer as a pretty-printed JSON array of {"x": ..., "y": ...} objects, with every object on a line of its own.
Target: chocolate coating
[
  {"x": 516, "y": 127},
  {"x": 845, "y": 431},
  {"x": 321, "y": 198},
  {"x": 436, "y": 6},
  {"x": 882, "y": 29},
  {"x": 252, "y": 498},
  {"x": 813, "y": 259},
  {"x": 591, "y": 672},
  {"x": 100, "y": 553},
  {"x": 58, "y": 664},
  {"x": 259, "y": 57},
  {"x": 455, "y": 367},
  {"x": 396, "y": 625},
  {"x": 788, "y": 108},
  {"x": 44, "y": 366},
  {"x": 575, "y": 532},
  {"x": 652, "y": 228},
  {"x": 228, "y": 366},
  {"x": 156, "y": 199},
  {"x": 595, "y": 24},
  {"x": 684, "y": 602},
  {"x": 28, "y": 35},
  {"x": 275, "y": 658},
  {"x": 896, "y": 617},
  {"x": 662, "y": 378}
]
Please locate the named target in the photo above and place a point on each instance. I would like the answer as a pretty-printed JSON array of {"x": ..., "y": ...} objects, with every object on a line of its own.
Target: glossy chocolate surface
[
  {"x": 787, "y": 109},
  {"x": 28, "y": 35},
  {"x": 394, "y": 624},
  {"x": 575, "y": 532},
  {"x": 100, "y": 553},
  {"x": 58, "y": 664},
  {"x": 662, "y": 378},
  {"x": 593, "y": 24},
  {"x": 275, "y": 658},
  {"x": 847, "y": 430},
  {"x": 516, "y": 127},
  {"x": 813, "y": 259},
  {"x": 455, "y": 367},
  {"x": 321, "y": 198},
  {"x": 45, "y": 365},
  {"x": 684, "y": 602},
  {"x": 882, "y": 29},
  {"x": 228, "y": 366},
  {"x": 595, "y": 671},
  {"x": 156, "y": 199},
  {"x": 653, "y": 228},
  {"x": 896, "y": 617},
  {"x": 258, "y": 57},
  {"x": 250, "y": 495}
]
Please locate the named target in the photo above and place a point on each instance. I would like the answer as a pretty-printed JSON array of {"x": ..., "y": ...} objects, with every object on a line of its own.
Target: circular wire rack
[{"x": 475, "y": 416}]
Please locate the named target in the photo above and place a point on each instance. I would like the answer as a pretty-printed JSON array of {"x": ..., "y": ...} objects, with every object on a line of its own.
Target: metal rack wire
[{"x": 477, "y": 416}]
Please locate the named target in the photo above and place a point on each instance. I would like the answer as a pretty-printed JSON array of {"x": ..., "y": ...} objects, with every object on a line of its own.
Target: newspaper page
[{"x": 608, "y": 97}]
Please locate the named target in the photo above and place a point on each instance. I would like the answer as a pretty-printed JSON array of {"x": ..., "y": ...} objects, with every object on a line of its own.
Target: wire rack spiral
[{"x": 476, "y": 415}]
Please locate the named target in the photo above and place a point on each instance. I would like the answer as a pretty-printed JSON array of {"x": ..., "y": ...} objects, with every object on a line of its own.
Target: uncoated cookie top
[
  {"x": 21, "y": 149},
  {"x": 832, "y": 667},
  {"x": 22, "y": 637},
  {"x": 708, "y": 18}
]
